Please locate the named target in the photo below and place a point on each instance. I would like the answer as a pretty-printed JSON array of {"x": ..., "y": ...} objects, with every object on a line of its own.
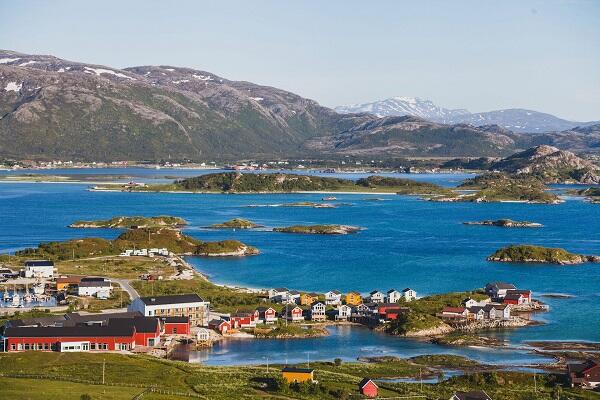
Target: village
[{"x": 156, "y": 325}]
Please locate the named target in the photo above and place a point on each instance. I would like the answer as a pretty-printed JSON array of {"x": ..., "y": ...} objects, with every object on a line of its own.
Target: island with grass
[
  {"x": 132, "y": 222},
  {"x": 537, "y": 254},
  {"x": 319, "y": 229},
  {"x": 592, "y": 194},
  {"x": 172, "y": 239},
  {"x": 236, "y": 223},
  {"x": 501, "y": 187},
  {"x": 236, "y": 182},
  {"x": 506, "y": 223}
]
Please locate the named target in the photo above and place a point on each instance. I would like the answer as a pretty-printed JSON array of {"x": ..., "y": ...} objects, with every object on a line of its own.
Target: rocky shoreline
[
  {"x": 320, "y": 229},
  {"x": 506, "y": 223}
]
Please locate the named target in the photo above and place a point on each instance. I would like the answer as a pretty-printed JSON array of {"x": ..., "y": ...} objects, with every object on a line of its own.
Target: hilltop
[
  {"x": 550, "y": 165},
  {"x": 131, "y": 222}
]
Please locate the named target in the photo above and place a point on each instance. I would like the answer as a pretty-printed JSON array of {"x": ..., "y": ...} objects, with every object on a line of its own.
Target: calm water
[{"x": 407, "y": 242}]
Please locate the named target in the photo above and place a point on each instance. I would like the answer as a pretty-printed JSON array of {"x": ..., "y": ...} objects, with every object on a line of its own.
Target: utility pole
[
  {"x": 421, "y": 380},
  {"x": 103, "y": 368},
  {"x": 534, "y": 382}
]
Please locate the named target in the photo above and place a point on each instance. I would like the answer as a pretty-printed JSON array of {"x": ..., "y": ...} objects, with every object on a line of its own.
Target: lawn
[{"x": 116, "y": 267}]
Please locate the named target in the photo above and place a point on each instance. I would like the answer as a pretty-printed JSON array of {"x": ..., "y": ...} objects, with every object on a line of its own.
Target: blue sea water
[{"x": 406, "y": 243}]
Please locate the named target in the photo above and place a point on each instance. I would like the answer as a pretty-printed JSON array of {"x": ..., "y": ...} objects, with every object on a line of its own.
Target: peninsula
[
  {"x": 538, "y": 254},
  {"x": 132, "y": 222},
  {"x": 319, "y": 229},
  {"x": 506, "y": 223},
  {"x": 500, "y": 187}
]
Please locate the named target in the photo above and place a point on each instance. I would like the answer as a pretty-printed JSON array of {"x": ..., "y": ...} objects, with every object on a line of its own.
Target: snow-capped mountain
[
  {"x": 399, "y": 106},
  {"x": 514, "y": 119}
]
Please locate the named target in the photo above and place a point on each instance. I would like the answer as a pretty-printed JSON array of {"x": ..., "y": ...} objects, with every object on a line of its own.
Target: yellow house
[
  {"x": 353, "y": 299},
  {"x": 65, "y": 282},
  {"x": 306, "y": 299},
  {"x": 291, "y": 374}
]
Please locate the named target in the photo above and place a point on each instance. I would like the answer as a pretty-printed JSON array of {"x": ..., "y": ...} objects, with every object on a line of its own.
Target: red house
[
  {"x": 220, "y": 325},
  {"x": 147, "y": 330},
  {"x": 515, "y": 299},
  {"x": 176, "y": 325},
  {"x": 526, "y": 294},
  {"x": 243, "y": 320},
  {"x": 368, "y": 388},
  {"x": 390, "y": 311}
]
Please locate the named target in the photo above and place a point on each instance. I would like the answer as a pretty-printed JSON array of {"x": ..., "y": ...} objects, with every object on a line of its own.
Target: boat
[
  {"x": 39, "y": 288},
  {"x": 330, "y": 198},
  {"x": 16, "y": 299},
  {"x": 6, "y": 296}
]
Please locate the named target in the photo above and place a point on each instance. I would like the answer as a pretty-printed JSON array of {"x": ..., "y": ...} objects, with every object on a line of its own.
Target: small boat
[
  {"x": 39, "y": 288},
  {"x": 16, "y": 299},
  {"x": 330, "y": 198},
  {"x": 6, "y": 296}
]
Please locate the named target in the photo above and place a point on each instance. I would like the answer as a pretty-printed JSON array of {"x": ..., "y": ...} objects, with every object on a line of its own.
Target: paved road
[{"x": 133, "y": 294}]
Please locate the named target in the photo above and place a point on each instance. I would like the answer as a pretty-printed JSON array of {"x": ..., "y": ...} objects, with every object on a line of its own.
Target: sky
[{"x": 474, "y": 54}]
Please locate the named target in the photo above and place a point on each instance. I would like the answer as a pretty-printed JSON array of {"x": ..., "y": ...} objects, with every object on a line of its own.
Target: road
[{"x": 133, "y": 294}]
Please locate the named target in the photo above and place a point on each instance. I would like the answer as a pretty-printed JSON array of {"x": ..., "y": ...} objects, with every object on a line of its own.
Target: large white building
[
  {"x": 38, "y": 269},
  {"x": 180, "y": 305},
  {"x": 100, "y": 289}
]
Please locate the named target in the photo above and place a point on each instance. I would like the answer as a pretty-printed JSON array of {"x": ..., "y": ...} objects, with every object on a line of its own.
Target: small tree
[{"x": 337, "y": 362}]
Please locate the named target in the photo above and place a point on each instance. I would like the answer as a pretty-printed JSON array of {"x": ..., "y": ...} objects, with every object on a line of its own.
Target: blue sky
[{"x": 479, "y": 55}]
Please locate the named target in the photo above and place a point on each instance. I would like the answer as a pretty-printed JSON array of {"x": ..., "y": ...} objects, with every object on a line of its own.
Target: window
[
  {"x": 175, "y": 330},
  {"x": 26, "y": 346},
  {"x": 46, "y": 346},
  {"x": 13, "y": 346}
]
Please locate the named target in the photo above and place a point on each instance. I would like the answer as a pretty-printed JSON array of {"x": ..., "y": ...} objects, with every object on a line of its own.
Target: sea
[{"x": 405, "y": 242}]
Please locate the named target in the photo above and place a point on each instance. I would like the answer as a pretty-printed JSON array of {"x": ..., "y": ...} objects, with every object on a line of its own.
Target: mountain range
[
  {"x": 52, "y": 108},
  {"x": 515, "y": 119}
]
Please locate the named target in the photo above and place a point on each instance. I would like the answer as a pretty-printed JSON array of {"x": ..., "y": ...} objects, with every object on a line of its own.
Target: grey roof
[
  {"x": 94, "y": 284},
  {"x": 171, "y": 299},
  {"x": 391, "y": 290},
  {"x": 475, "y": 395},
  {"x": 39, "y": 263},
  {"x": 281, "y": 289},
  {"x": 502, "y": 285},
  {"x": 374, "y": 292},
  {"x": 406, "y": 290},
  {"x": 72, "y": 331}
]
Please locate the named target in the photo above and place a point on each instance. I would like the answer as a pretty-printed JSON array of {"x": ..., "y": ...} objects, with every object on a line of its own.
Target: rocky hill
[
  {"x": 551, "y": 165},
  {"x": 68, "y": 110},
  {"x": 515, "y": 119}
]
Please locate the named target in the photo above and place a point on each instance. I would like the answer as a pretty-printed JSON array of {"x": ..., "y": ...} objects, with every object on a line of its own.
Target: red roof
[{"x": 456, "y": 310}]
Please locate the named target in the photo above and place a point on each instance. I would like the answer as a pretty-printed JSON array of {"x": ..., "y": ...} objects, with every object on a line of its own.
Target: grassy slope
[
  {"x": 502, "y": 187},
  {"x": 521, "y": 253},
  {"x": 127, "y": 222},
  {"x": 335, "y": 382}
]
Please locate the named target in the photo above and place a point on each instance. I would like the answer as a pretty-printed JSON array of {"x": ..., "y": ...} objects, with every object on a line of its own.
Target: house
[
  {"x": 376, "y": 296},
  {"x": 180, "y": 305},
  {"x": 294, "y": 314},
  {"x": 220, "y": 325},
  {"x": 498, "y": 289},
  {"x": 393, "y": 296},
  {"x": 390, "y": 311},
  {"x": 525, "y": 293},
  {"x": 496, "y": 311},
  {"x": 333, "y": 297},
  {"x": 516, "y": 299},
  {"x": 585, "y": 374},
  {"x": 306, "y": 299},
  {"x": 115, "y": 334},
  {"x": 408, "y": 294},
  {"x": 202, "y": 335},
  {"x": 297, "y": 375},
  {"x": 278, "y": 295},
  {"x": 38, "y": 269},
  {"x": 317, "y": 311},
  {"x": 176, "y": 325},
  {"x": 476, "y": 313},
  {"x": 368, "y": 388},
  {"x": 242, "y": 320},
  {"x": 265, "y": 315},
  {"x": 469, "y": 302},
  {"x": 353, "y": 298},
  {"x": 294, "y": 297},
  {"x": 453, "y": 312},
  {"x": 364, "y": 309},
  {"x": 66, "y": 282},
  {"x": 100, "y": 289},
  {"x": 343, "y": 312},
  {"x": 475, "y": 395}
]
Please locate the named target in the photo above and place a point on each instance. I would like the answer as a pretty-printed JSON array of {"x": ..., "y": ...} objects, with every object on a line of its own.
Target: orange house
[
  {"x": 306, "y": 299},
  {"x": 65, "y": 282},
  {"x": 292, "y": 374},
  {"x": 353, "y": 299}
]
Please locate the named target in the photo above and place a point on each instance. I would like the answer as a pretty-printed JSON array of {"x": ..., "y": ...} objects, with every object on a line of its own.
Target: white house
[
  {"x": 376, "y": 296},
  {"x": 497, "y": 311},
  {"x": 343, "y": 312},
  {"x": 317, "y": 312},
  {"x": 278, "y": 294},
  {"x": 180, "y": 305},
  {"x": 203, "y": 335},
  {"x": 366, "y": 309},
  {"x": 293, "y": 296},
  {"x": 38, "y": 269},
  {"x": 409, "y": 294},
  {"x": 333, "y": 297},
  {"x": 469, "y": 302},
  {"x": 100, "y": 289},
  {"x": 393, "y": 296},
  {"x": 476, "y": 312}
]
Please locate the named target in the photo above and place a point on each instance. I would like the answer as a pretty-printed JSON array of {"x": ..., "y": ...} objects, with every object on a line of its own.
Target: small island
[
  {"x": 236, "y": 223},
  {"x": 538, "y": 254},
  {"x": 132, "y": 222},
  {"x": 319, "y": 229},
  {"x": 501, "y": 187},
  {"x": 506, "y": 223},
  {"x": 592, "y": 194},
  {"x": 172, "y": 239}
]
